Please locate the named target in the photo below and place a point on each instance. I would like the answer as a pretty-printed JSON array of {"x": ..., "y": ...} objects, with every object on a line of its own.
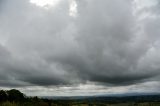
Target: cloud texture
[{"x": 106, "y": 42}]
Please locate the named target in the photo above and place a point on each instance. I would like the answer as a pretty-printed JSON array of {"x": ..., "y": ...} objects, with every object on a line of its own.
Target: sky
[{"x": 80, "y": 47}]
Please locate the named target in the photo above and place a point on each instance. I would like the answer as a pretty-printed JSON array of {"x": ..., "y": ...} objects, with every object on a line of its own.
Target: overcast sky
[{"x": 80, "y": 47}]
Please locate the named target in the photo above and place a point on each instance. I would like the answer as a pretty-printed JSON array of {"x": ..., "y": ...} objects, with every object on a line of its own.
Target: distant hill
[{"x": 130, "y": 97}]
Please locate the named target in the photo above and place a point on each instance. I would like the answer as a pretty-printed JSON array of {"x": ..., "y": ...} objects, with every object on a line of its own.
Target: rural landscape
[{"x": 14, "y": 97}]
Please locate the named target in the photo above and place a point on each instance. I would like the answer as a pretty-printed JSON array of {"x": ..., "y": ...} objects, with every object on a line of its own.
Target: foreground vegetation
[
  {"x": 16, "y": 98},
  {"x": 7, "y": 103}
]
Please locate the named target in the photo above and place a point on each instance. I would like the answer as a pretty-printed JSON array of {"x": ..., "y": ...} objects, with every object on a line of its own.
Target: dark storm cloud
[
  {"x": 108, "y": 42},
  {"x": 109, "y": 45}
]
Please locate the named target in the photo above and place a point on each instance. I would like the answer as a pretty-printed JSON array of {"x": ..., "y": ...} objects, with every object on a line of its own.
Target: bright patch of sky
[
  {"x": 45, "y": 3},
  {"x": 73, "y": 8}
]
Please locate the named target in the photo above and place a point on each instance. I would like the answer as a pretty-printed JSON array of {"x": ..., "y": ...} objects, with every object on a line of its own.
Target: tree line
[
  {"x": 17, "y": 97},
  {"x": 11, "y": 95}
]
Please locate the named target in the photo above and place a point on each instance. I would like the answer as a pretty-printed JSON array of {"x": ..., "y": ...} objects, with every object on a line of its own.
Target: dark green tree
[
  {"x": 15, "y": 95},
  {"x": 3, "y": 96}
]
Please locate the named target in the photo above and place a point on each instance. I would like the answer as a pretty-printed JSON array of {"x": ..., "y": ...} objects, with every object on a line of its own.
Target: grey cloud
[
  {"x": 106, "y": 43},
  {"x": 109, "y": 44}
]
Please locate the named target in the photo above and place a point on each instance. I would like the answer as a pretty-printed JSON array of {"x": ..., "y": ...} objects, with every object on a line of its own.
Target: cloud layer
[{"x": 106, "y": 42}]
